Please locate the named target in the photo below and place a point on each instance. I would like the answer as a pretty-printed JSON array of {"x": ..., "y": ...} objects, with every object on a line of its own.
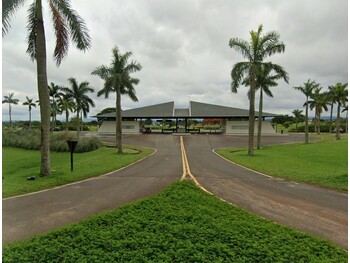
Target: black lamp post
[{"x": 72, "y": 145}]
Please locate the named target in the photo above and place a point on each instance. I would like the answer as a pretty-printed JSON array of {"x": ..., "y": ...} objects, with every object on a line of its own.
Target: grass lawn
[
  {"x": 181, "y": 224},
  {"x": 19, "y": 164},
  {"x": 323, "y": 163}
]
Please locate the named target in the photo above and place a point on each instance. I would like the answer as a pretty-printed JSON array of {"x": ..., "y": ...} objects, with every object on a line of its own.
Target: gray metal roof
[{"x": 196, "y": 110}]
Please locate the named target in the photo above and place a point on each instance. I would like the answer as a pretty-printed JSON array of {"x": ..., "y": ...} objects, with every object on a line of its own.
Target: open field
[
  {"x": 19, "y": 164},
  {"x": 181, "y": 224},
  {"x": 323, "y": 163}
]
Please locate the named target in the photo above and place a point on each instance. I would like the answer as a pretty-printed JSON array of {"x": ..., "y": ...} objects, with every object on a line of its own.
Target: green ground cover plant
[
  {"x": 181, "y": 224},
  {"x": 323, "y": 163},
  {"x": 19, "y": 164}
]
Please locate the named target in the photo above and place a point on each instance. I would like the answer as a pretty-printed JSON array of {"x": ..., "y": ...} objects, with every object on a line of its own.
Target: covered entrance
[{"x": 181, "y": 120}]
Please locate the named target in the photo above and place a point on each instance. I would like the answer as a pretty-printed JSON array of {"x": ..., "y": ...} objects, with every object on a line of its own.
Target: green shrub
[{"x": 30, "y": 140}]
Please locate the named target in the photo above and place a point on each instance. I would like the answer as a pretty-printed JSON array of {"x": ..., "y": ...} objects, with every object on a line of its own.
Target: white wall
[
  {"x": 242, "y": 127},
  {"x": 128, "y": 127}
]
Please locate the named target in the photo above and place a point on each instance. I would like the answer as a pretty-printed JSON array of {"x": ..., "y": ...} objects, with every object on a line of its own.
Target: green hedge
[
  {"x": 324, "y": 128},
  {"x": 30, "y": 140}
]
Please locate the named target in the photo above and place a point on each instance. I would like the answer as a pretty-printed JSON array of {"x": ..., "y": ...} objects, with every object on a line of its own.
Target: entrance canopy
[{"x": 197, "y": 110}]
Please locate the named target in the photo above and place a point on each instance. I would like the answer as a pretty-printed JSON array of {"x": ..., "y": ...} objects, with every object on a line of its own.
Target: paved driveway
[{"x": 311, "y": 209}]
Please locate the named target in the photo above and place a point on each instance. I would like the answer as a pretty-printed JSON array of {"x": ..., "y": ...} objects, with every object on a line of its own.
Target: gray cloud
[{"x": 183, "y": 48}]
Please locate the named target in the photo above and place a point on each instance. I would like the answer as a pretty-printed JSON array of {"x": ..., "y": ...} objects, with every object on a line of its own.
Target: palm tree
[
  {"x": 55, "y": 94},
  {"x": 10, "y": 100},
  {"x": 331, "y": 101},
  {"x": 67, "y": 25},
  {"x": 82, "y": 101},
  {"x": 319, "y": 102},
  {"x": 117, "y": 79},
  {"x": 265, "y": 80},
  {"x": 30, "y": 104},
  {"x": 346, "y": 118},
  {"x": 298, "y": 115},
  {"x": 307, "y": 89},
  {"x": 340, "y": 97},
  {"x": 66, "y": 104},
  {"x": 255, "y": 51}
]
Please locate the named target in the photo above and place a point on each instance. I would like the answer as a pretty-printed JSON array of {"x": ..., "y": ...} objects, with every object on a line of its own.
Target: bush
[
  {"x": 324, "y": 128},
  {"x": 30, "y": 140}
]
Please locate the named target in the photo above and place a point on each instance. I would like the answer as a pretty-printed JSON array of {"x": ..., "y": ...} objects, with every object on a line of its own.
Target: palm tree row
[{"x": 315, "y": 99}]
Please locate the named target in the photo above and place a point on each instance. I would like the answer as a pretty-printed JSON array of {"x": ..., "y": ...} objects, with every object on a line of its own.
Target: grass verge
[
  {"x": 19, "y": 164},
  {"x": 181, "y": 224},
  {"x": 323, "y": 163}
]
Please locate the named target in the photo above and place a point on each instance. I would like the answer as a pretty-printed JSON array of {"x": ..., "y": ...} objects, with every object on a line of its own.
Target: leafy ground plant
[
  {"x": 19, "y": 164},
  {"x": 181, "y": 224},
  {"x": 323, "y": 163}
]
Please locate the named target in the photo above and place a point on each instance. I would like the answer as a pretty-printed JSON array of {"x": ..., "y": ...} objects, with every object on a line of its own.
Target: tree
[
  {"x": 298, "y": 116},
  {"x": 117, "y": 79},
  {"x": 10, "y": 100},
  {"x": 331, "y": 101},
  {"x": 67, "y": 25},
  {"x": 66, "y": 104},
  {"x": 30, "y": 104},
  {"x": 259, "y": 48},
  {"x": 340, "y": 97},
  {"x": 55, "y": 94},
  {"x": 265, "y": 80},
  {"x": 82, "y": 101},
  {"x": 307, "y": 89},
  {"x": 319, "y": 101}
]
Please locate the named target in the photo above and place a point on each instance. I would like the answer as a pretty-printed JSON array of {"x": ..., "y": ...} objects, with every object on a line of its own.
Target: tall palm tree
[
  {"x": 346, "y": 118},
  {"x": 265, "y": 80},
  {"x": 66, "y": 104},
  {"x": 67, "y": 25},
  {"x": 259, "y": 48},
  {"x": 298, "y": 115},
  {"x": 79, "y": 93},
  {"x": 341, "y": 97},
  {"x": 55, "y": 92},
  {"x": 117, "y": 79},
  {"x": 30, "y": 104},
  {"x": 331, "y": 101},
  {"x": 319, "y": 102},
  {"x": 10, "y": 100},
  {"x": 307, "y": 89}
]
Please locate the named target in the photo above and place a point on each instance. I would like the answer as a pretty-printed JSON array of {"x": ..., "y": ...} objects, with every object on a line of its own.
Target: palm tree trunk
[
  {"x": 43, "y": 93},
  {"x": 67, "y": 117},
  {"x": 118, "y": 130},
  {"x": 319, "y": 122},
  {"x": 260, "y": 118},
  {"x": 338, "y": 123},
  {"x": 10, "y": 114},
  {"x": 307, "y": 121},
  {"x": 251, "y": 116},
  {"x": 30, "y": 119},
  {"x": 331, "y": 120},
  {"x": 78, "y": 124}
]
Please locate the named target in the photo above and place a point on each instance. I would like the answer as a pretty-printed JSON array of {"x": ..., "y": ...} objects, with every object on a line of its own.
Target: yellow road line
[{"x": 186, "y": 167}]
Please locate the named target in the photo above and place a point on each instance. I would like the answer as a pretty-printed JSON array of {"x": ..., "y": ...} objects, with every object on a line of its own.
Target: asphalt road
[
  {"x": 311, "y": 209},
  {"x": 316, "y": 210},
  {"x": 41, "y": 212}
]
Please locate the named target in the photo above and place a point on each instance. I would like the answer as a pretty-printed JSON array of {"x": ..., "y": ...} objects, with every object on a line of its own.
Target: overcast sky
[{"x": 182, "y": 46}]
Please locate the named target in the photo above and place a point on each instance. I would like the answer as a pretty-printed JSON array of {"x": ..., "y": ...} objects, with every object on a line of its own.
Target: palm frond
[
  {"x": 238, "y": 72},
  {"x": 32, "y": 27},
  {"x": 241, "y": 46},
  {"x": 9, "y": 8},
  {"x": 61, "y": 32},
  {"x": 78, "y": 30}
]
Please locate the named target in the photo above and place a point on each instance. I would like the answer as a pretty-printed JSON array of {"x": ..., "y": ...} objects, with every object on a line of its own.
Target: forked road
[{"x": 311, "y": 209}]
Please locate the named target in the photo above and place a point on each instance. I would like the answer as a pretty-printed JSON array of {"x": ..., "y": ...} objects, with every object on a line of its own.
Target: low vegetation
[
  {"x": 19, "y": 164},
  {"x": 30, "y": 140},
  {"x": 181, "y": 224},
  {"x": 323, "y": 163}
]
